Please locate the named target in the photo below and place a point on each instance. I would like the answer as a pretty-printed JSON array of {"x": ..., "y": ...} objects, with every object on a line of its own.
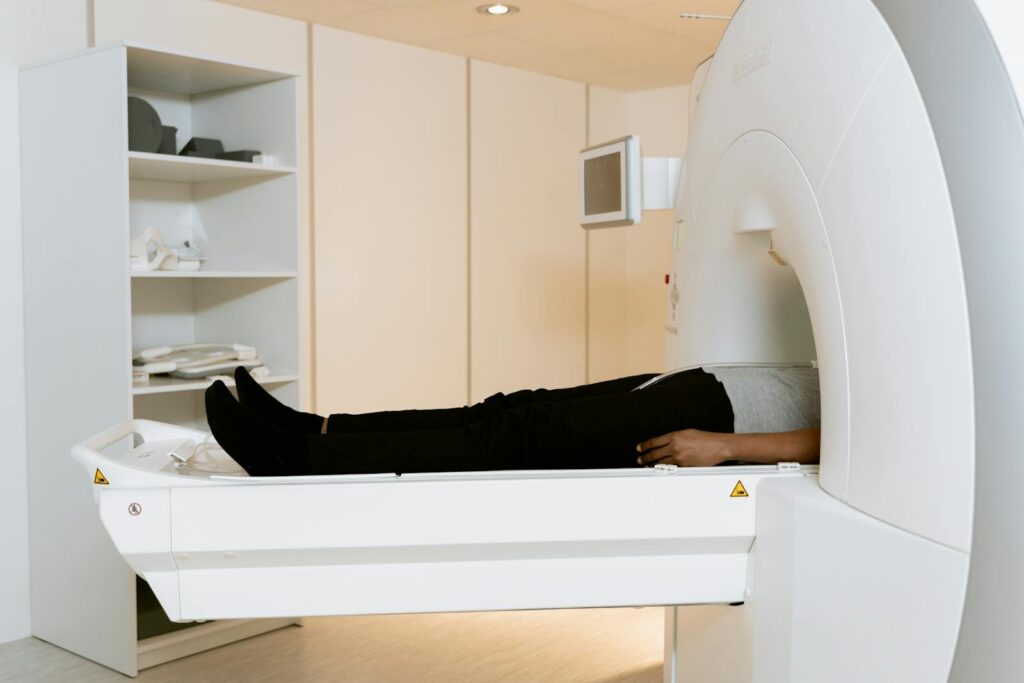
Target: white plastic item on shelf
[
  {"x": 221, "y": 369},
  {"x": 192, "y": 361},
  {"x": 149, "y": 252}
]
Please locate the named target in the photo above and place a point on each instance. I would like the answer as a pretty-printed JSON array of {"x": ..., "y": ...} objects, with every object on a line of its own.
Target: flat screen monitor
[{"x": 610, "y": 183}]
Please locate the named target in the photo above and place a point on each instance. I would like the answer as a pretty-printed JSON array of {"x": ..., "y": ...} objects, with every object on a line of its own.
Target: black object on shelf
[
  {"x": 207, "y": 148},
  {"x": 239, "y": 155},
  {"x": 145, "y": 132},
  {"x": 169, "y": 142}
]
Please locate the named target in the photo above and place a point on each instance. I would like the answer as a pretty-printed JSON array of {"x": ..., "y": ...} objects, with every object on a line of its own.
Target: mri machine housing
[{"x": 875, "y": 147}]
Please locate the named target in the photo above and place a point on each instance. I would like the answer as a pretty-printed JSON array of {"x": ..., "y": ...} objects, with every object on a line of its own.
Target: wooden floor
[{"x": 596, "y": 645}]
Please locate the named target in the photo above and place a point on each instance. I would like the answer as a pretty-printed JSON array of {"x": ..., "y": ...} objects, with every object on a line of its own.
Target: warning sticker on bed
[
  {"x": 100, "y": 479},
  {"x": 738, "y": 491}
]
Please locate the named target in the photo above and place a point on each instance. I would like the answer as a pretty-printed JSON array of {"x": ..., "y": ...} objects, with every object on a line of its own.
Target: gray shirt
[{"x": 771, "y": 399}]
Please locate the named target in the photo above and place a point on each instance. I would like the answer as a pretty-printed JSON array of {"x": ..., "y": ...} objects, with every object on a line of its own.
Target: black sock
[
  {"x": 259, "y": 448},
  {"x": 260, "y": 403}
]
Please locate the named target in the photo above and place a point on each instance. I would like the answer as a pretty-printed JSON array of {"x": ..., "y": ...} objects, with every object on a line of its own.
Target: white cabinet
[{"x": 84, "y": 196}]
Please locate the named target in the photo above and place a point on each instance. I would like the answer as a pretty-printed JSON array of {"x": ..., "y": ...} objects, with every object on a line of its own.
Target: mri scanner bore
[{"x": 700, "y": 417}]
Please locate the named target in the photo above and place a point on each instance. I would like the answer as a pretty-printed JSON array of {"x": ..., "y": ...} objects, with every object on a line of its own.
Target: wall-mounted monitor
[{"x": 610, "y": 184}]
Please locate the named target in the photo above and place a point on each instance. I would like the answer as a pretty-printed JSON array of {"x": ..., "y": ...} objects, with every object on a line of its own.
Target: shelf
[
  {"x": 167, "y": 385},
  {"x": 240, "y": 274},
  {"x": 147, "y": 166},
  {"x": 189, "y": 74}
]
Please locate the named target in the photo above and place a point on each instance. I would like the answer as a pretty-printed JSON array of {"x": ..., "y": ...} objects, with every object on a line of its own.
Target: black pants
[{"x": 592, "y": 426}]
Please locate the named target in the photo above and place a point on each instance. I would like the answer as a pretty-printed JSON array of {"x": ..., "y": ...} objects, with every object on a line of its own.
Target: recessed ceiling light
[
  {"x": 695, "y": 15},
  {"x": 497, "y": 9}
]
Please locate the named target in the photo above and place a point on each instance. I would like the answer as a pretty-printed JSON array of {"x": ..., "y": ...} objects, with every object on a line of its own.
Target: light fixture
[
  {"x": 695, "y": 15},
  {"x": 498, "y": 9}
]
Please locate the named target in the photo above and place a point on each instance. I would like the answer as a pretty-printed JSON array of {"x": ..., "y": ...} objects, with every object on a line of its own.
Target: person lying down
[{"x": 695, "y": 418}]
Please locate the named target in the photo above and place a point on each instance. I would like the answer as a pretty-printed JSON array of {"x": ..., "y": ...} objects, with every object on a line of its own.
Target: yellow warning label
[
  {"x": 100, "y": 479},
  {"x": 739, "y": 491}
]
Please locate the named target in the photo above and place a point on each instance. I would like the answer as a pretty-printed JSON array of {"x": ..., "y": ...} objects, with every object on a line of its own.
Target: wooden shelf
[
  {"x": 147, "y": 166},
  {"x": 241, "y": 274},
  {"x": 167, "y": 385}
]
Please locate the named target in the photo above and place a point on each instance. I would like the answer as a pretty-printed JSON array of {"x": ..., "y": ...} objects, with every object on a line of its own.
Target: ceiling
[{"x": 620, "y": 44}]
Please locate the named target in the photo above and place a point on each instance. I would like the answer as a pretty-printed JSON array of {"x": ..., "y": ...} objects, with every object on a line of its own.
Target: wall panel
[
  {"x": 659, "y": 117},
  {"x": 627, "y": 265},
  {"x": 527, "y": 249},
  {"x": 390, "y": 169},
  {"x": 607, "y": 277},
  {"x": 207, "y": 28}
]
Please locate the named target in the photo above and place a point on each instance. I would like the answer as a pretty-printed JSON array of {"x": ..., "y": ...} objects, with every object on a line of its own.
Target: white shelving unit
[{"x": 85, "y": 195}]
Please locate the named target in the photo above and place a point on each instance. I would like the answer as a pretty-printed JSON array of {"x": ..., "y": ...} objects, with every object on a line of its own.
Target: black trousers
[{"x": 591, "y": 426}]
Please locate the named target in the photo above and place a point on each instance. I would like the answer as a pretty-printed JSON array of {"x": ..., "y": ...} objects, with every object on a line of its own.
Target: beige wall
[
  {"x": 449, "y": 262},
  {"x": 659, "y": 117},
  {"x": 528, "y": 258},
  {"x": 627, "y": 288},
  {"x": 607, "y": 275},
  {"x": 419, "y": 303},
  {"x": 390, "y": 188},
  {"x": 206, "y": 28}
]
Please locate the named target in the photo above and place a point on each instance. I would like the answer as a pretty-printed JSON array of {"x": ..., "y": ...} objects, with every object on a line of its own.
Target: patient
[{"x": 695, "y": 418}]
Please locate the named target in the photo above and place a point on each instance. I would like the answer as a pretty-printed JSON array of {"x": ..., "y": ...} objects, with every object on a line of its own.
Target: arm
[{"x": 695, "y": 448}]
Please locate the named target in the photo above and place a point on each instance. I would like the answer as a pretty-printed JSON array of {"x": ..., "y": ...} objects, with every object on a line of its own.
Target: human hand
[{"x": 687, "y": 448}]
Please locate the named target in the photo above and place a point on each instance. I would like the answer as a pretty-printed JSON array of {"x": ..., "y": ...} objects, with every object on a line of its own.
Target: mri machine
[{"x": 854, "y": 193}]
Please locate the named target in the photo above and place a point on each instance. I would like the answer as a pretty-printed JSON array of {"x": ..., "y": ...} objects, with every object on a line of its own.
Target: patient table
[{"x": 218, "y": 546}]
